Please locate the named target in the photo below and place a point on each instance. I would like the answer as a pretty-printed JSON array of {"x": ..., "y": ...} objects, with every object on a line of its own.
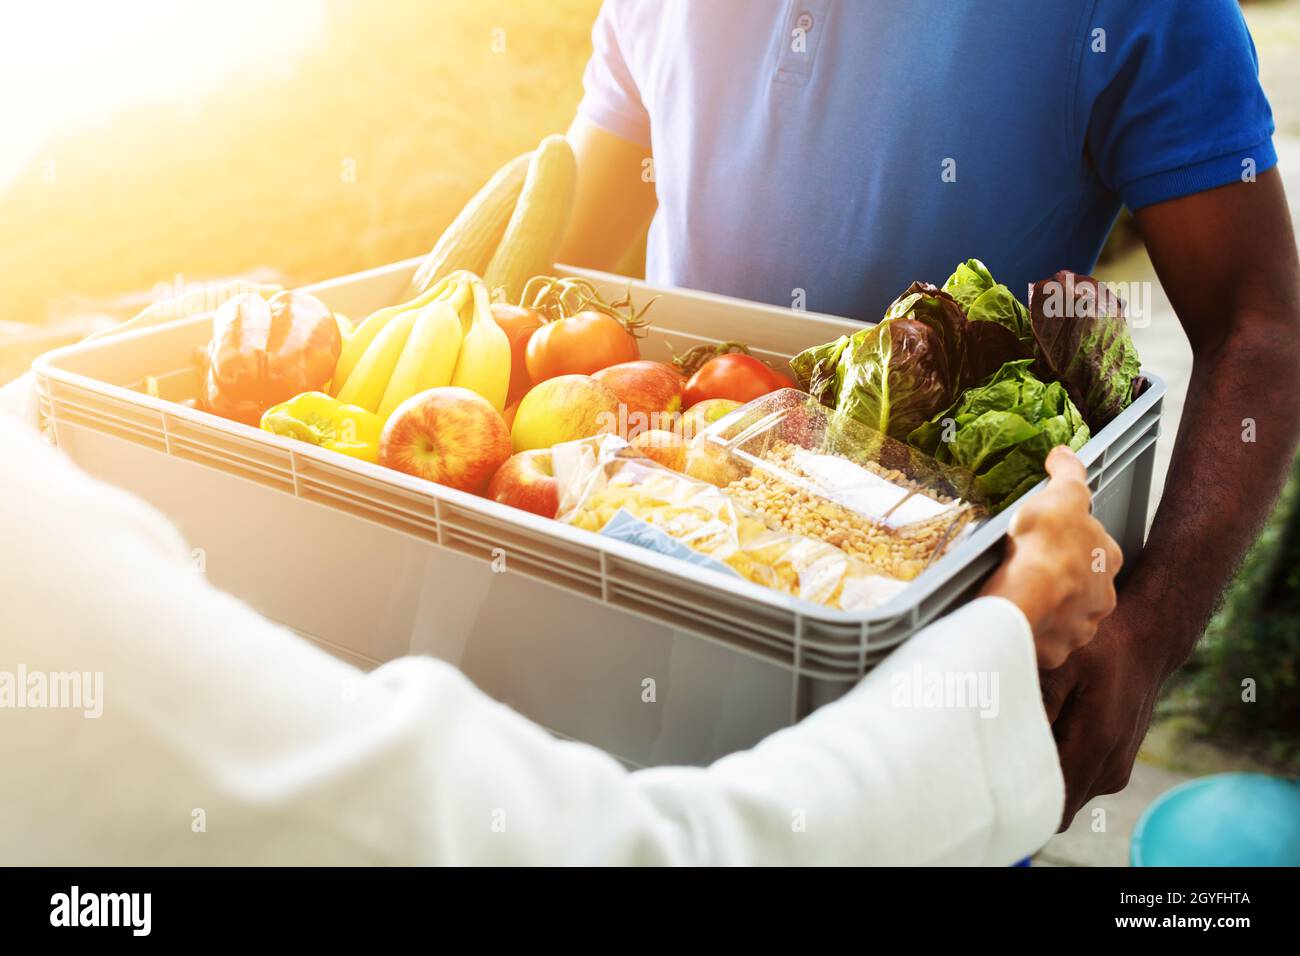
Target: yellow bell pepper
[{"x": 320, "y": 419}]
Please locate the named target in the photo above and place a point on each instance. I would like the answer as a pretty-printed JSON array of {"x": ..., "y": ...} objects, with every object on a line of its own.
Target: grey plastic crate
[{"x": 654, "y": 660}]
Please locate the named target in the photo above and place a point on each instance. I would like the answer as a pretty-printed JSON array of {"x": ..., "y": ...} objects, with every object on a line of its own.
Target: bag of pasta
[{"x": 609, "y": 490}]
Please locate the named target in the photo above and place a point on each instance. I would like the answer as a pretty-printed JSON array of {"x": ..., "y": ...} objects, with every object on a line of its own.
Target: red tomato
[
  {"x": 784, "y": 379},
  {"x": 519, "y": 324},
  {"x": 582, "y": 344},
  {"x": 739, "y": 377}
]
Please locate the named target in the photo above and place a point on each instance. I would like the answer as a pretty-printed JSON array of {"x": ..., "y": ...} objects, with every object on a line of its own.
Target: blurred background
[
  {"x": 151, "y": 143},
  {"x": 300, "y": 138}
]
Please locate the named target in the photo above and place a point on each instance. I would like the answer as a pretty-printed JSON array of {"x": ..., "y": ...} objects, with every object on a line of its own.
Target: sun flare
[{"x": 69, "y": 62}]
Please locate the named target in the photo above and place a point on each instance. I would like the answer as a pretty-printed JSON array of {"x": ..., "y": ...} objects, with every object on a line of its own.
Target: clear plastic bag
[
  {"x": 779, "y": 493},
  {"x": 812, "y": 472}
]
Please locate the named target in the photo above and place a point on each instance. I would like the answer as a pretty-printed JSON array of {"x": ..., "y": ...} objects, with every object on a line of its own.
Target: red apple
[
  {"x": 703, "y": 414},
  {"x": 647, "y": 390},
  {"x": 449, "y": 435},
  {"x": 667, "y": 448},
  {"x": 527, "y": 480},
  {"x": 564, "y": 408}
]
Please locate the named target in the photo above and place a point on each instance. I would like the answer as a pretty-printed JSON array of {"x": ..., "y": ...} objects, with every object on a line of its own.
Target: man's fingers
[
  {"x": 1051, "y": 656},
  {"x": 1083, "y": 758},
  {"x": 1114, "y": 779},
  {"x": 1056, "y": 686}
]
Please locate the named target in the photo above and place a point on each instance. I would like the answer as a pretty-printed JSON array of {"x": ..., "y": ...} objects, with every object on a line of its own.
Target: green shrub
[{"x": 1255, "y": 636}]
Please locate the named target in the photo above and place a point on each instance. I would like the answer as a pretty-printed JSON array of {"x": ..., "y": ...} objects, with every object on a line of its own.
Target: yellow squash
[
  {"x": 532, "y": 238},
  {"x": 472, "y": 237}
]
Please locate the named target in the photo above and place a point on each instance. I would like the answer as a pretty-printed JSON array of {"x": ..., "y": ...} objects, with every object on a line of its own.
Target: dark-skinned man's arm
[{"x": 1227, "y": 259}]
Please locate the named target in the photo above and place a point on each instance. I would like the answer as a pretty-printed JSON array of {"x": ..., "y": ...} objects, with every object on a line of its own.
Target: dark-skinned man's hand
[
  {"x": 1227, "y": 259},
  {"x": 1099, "y": 704}
]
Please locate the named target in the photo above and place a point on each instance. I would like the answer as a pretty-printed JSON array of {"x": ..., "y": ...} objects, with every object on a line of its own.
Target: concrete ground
[{"x": 1171, "y": 754}]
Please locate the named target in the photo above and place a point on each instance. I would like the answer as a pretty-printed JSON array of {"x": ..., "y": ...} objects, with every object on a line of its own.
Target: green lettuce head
[
  {"x": 986, "y": 300},
  {"x": 1002, "y": 431}
]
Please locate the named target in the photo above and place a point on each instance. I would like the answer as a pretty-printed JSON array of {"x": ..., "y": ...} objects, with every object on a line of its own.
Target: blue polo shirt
[{"x": 825, "y": 153}]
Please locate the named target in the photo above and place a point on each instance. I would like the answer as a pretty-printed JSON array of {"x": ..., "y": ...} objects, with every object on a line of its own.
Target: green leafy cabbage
[
  {"x": 1002, "y": 431},
  {"x": 986, "y": 300}
]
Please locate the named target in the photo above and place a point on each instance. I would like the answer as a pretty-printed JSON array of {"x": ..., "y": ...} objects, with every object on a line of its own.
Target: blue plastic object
[{"x": 1229, "y": 819}]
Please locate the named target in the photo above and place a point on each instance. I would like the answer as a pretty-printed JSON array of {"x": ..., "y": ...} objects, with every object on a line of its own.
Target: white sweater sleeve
[{"x": 223, "y": 738}]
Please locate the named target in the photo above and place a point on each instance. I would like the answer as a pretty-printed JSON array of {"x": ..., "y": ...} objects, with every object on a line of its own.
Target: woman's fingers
[{"x": 1064, "y": 465}]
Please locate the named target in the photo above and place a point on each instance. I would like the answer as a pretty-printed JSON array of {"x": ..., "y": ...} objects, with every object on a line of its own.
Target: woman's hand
[{"x": 1060, "y": 564}]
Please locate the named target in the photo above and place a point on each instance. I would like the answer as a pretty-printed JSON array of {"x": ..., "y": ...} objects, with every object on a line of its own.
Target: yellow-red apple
[
  {"x": 703, "y": 414},
  {"x": 527, "y": 480},
  {"x": 564, "y": 408},
  {"x": 449, "y": 435},
  {"x": 646, "y": 389}
]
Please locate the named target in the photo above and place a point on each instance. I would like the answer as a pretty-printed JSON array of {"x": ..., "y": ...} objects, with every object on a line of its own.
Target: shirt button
[{"x": 805, "y": 22}]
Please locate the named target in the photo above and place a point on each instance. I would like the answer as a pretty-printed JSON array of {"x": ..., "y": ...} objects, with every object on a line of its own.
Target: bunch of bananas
[{"x": 444, "y": 336}]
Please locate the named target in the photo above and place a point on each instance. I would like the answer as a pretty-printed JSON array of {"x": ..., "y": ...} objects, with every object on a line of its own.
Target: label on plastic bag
[{"x": 625, "y": 526}]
